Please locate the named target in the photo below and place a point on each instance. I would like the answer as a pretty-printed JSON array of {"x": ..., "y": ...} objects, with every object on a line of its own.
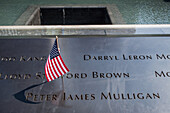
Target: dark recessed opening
[{"x": 74, "y": 16}]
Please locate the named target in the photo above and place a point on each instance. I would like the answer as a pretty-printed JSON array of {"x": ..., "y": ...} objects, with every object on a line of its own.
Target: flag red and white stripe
[{"x": 55, "y": 66}]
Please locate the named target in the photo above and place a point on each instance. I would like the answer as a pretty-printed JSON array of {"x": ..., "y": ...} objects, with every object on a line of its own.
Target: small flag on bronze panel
[{"x": 55, "y": 66}]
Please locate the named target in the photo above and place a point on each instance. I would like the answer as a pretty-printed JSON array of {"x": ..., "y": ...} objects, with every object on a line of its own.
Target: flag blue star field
[{"x": 55, "y": 66}]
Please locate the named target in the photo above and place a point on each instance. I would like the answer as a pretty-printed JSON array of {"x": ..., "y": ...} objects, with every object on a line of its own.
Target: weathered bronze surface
[{"x": 107, "y": 75}]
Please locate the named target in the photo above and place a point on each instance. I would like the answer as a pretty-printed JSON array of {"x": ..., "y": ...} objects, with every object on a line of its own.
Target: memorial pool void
[
  {"x": 74, "y": 16},
  {"x": 54, "y": 15}
]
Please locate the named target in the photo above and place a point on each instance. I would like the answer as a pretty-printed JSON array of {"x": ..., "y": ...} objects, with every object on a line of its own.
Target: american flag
[{"x": 55, "y": 66}]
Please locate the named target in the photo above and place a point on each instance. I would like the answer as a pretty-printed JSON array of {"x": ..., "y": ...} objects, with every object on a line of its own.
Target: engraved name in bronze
[
  {"x": 162, "y": 74},
  {"x": 22, "y": 58},
  {"x": 21, "y": 76},
  {"x": 40, "y": 75},
  {"x": 88, "y": 57},
  {"x": 91, "y": 96}
]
